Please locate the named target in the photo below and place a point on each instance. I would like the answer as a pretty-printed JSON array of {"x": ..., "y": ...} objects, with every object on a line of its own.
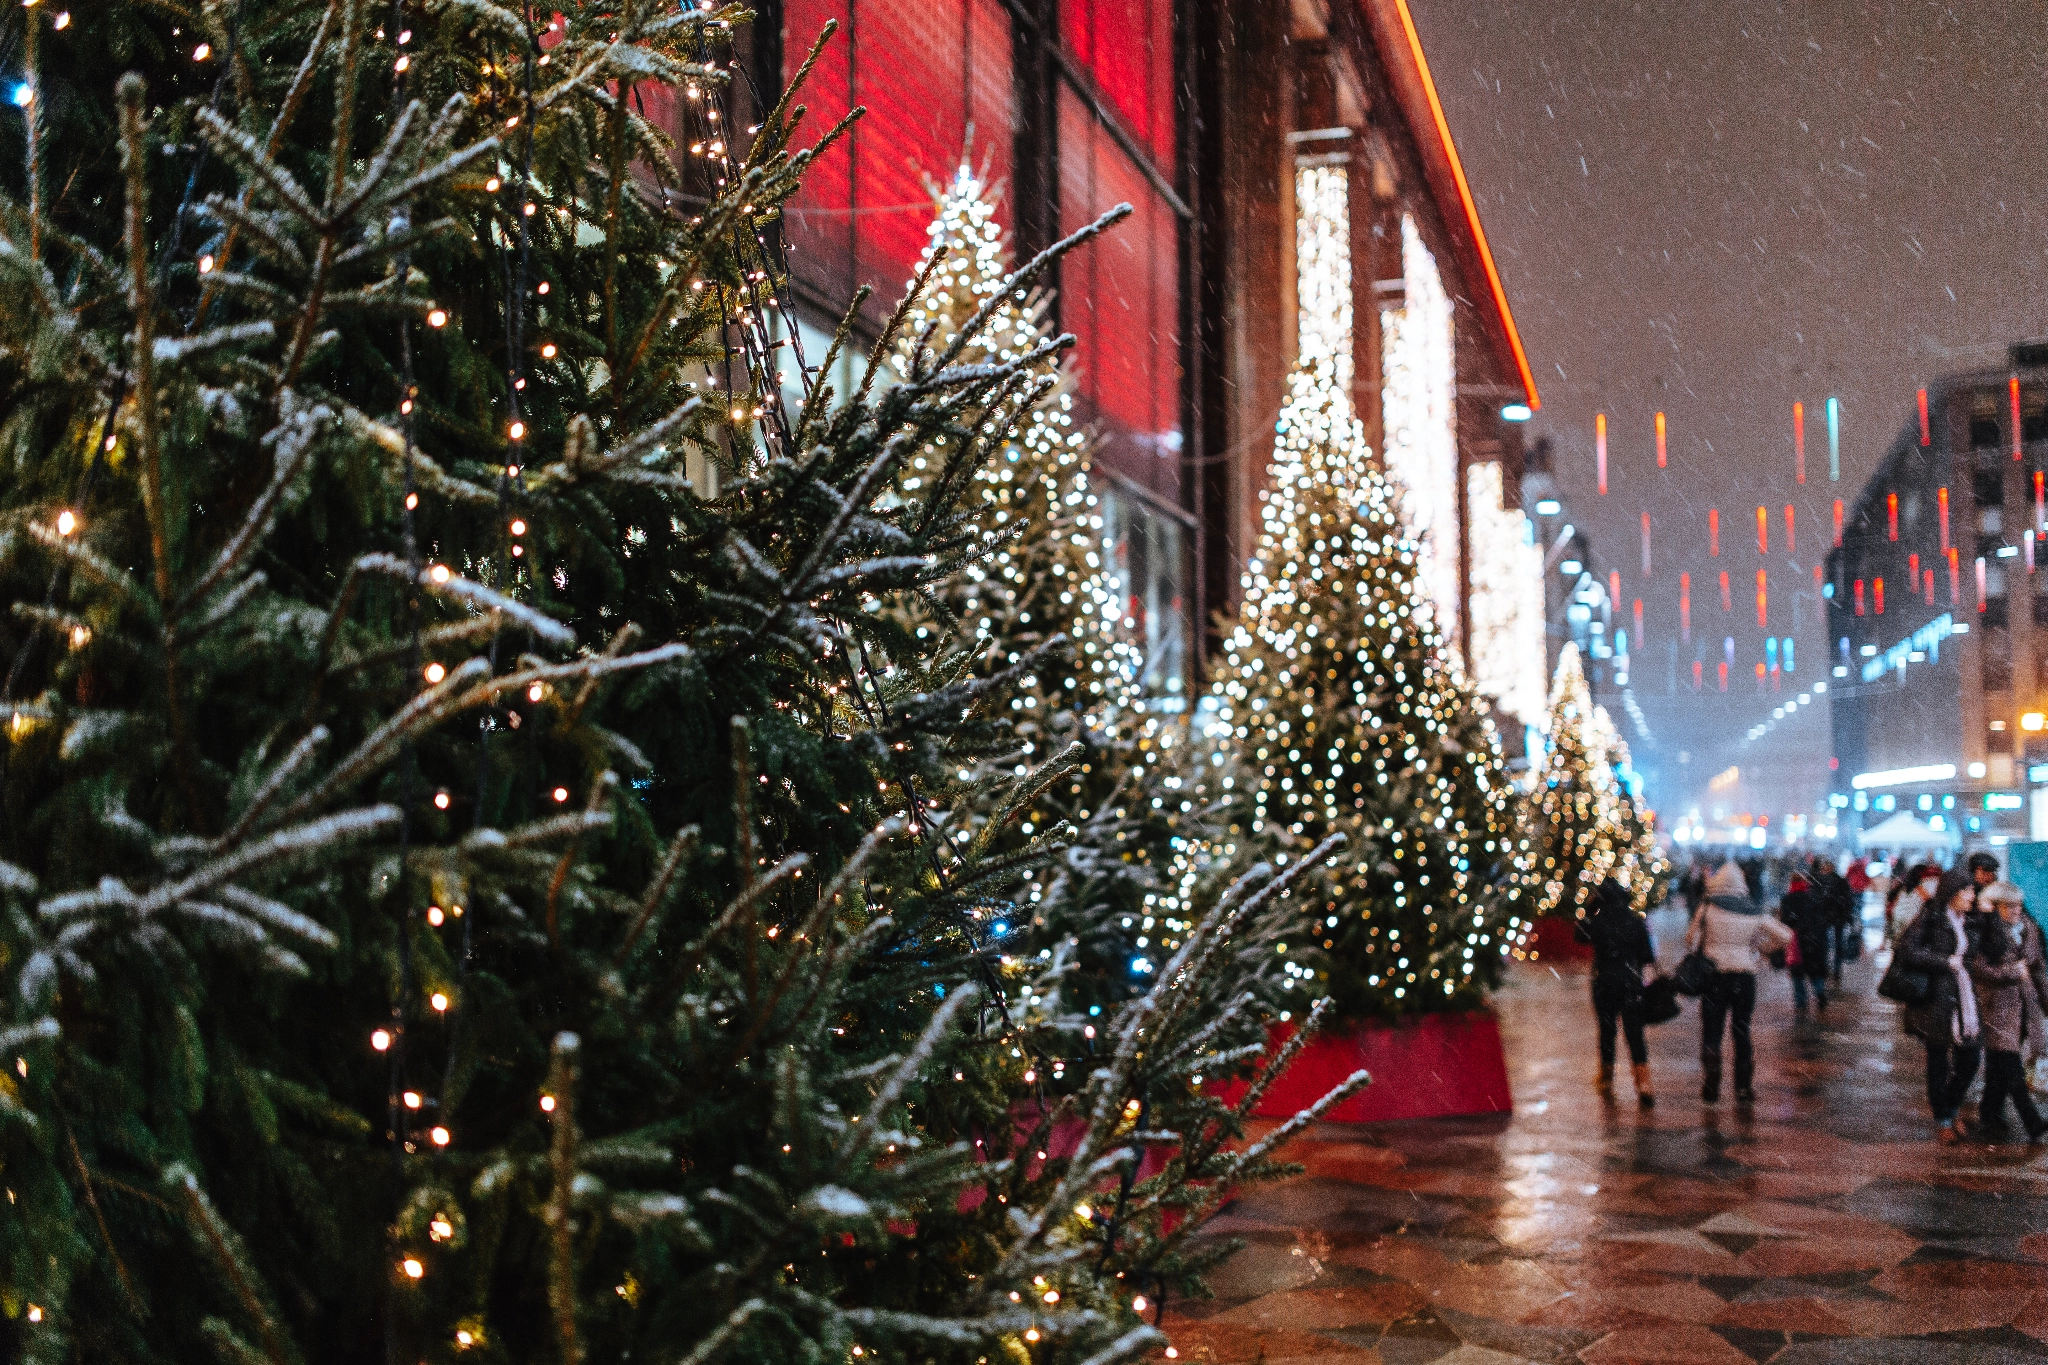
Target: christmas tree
[
  {"x": 1043, "y": 598},
  {"x": 1585, "y": 824},
  {"x": 1350, "y": 714},
  {"x": 475, "y": 885}
]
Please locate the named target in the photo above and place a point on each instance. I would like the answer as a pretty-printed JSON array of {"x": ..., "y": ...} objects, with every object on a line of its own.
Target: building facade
[
  {"x": 1196, "y": 113},
  {"x": 1938, "y": 620}
]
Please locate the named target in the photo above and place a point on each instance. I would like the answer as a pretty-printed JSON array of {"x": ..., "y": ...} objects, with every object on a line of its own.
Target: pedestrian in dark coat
[
  {"x": 1936, "y": 944},
  {"x": 2008, "y": 1009},
  {"x": 1806, "y": 915},
  {"x": 1844, "y": 913},
  {"x": 1621, "y": 949}
]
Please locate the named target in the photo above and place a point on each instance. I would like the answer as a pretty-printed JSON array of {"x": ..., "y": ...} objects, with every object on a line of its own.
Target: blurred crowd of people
[{"x": 1965, "y": 959}]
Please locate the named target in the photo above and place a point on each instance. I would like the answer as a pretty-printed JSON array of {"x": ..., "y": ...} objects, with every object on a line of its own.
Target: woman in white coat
[{"x": 1730, "y": 928}]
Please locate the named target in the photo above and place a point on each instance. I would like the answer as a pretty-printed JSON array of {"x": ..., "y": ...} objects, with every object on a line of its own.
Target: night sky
[{"x": 1715, "y": 210}]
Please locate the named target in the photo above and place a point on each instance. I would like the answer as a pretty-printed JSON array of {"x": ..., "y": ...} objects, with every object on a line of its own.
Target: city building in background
[
  {"x": 1196, "y": 113},
  {"x": 1937, "y": 625}
]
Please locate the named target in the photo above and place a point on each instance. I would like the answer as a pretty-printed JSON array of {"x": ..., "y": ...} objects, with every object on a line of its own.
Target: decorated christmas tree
[
  {"x": 485, "y": 879},
  {"x": 1348, "y": 711},
  {"x": 1043, "y": 598},
  {"x": 1584, "y": 823}
]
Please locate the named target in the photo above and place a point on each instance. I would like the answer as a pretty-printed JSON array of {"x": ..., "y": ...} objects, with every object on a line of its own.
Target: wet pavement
[{"x": 1819, "y": 1225}]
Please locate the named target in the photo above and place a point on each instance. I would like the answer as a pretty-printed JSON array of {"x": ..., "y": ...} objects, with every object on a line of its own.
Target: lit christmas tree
[
  {"x": 1585, "y": 824},
  {"x": 1039, "y": 593},
  {"x": 472, "y": 885},
  {"x": 1347, "y": 712}
]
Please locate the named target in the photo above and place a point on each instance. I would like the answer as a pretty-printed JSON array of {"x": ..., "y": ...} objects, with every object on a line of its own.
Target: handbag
[
  {"x": 1695, "y": 970},
  {"x": 1792, "y": 958},
  {"x": 1904, "y": 984},
  {"x": 1660, "y": 1001}
]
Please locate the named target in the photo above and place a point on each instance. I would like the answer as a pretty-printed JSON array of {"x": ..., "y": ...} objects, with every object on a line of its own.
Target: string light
[
  {"x": 66, "y": 522},
  {"x": 380, "y": 1040}
]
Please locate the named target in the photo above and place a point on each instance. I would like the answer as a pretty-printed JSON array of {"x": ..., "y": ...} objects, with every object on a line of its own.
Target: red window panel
[
  {"x": 1119, "y": 296},
  {"x": 1126, "y": 46},
  {"x": 924, "y": 70}
]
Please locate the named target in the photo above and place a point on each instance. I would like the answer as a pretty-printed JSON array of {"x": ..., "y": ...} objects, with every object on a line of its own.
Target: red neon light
[
  {"x": 1955, "y": 577},
  {"x": 1714, "y": 531},
  {"x": 1465, "y": 200},
  {"x": 1614, "y": 586},
  {"x": 1941, "y": 503},
  {"x": 2015, "y": 417},
  {"x": 1791, "y": 532},
  {"x": 1646, "y": 544},
  {"x": 1722, "y": 668},
  {"x": 1980, "y": 582},
  {"x": 1859, "y": 597},
  {"x": 1838, "y": 523},
  {"x": 1639, "y": 620},
  {"x": 1891, "y": 513},
  {"x": 1763, "y": 531},
  {"x": 1727, "y": 602},
  {"x": 1877, "y": 592},
  {"x": 1930, "y": 586},
  {"x": 2039, "y": 524},
  {"x": 1660, "y": 440},
  {"x": 1762, "y": 600},
  {"x": 1926, "y": 432},
  {"x": 1913, "y": 567},
  {"x": 1685, "y": 607},
  {"x": 1696, "y": 670},
  {"x": 1600, "y": 448}
]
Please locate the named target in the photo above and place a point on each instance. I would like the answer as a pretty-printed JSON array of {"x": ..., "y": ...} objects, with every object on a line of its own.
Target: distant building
[{"x": 1937, "y": 622}]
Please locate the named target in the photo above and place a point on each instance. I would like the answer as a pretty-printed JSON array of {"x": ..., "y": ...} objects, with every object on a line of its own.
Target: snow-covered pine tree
[
  {"x": 1347, "y": 712},
  {"x": 470, "y": 887}
]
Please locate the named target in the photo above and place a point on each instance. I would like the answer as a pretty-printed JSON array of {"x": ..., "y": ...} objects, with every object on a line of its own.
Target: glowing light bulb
[
  {"x": 463, "y": 1339},
  {"x": 380, "y": 1040},
  {"x": 543, "y": 288},
  {"x": 438, "y": 1001},
  {"x": 435, "y": 917},
  {"x": 492, "y": 184},
  {"x": 206, "y": 265},
  {"x": 1138, "y": 1304},
  {"x": 561, "y": 794},
  {"x": 412, "y": 1268},
  {"x": 441, "y": 800},
  {"x": 440, "y": 1137},
  {"x": 437, "y": 318},
  {"x": 411, "y": 1098},
  {"x": 35, "y": 1314},
  {"x": 535, "y": 692},
  {"x": 66, "y": 522},
  {"x": 412, "y": 500},
  {"x": 202, "y": 52},
  {"x": 439, "y": 573},
  {"x": 547, "y": 1104},
  {"x": 518, "y": 527},
  {"x": 547, "y": 352},
  {"x": 23, "y": 95},
  {"x": 64, "y": 20},
  {"x": 518, "y": 430},
  {"x": 435, "y": 672}
]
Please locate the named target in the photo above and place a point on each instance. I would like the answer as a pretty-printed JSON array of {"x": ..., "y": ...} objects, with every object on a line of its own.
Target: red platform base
[
  {"x": 1438, "y": 1066},
  {"x": 1553, "y": 939}
]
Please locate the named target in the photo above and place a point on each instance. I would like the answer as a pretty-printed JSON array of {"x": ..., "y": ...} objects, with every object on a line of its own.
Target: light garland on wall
[
  {"x": 1506, "y": 608},
  {"x": 1419, "y": 402}
]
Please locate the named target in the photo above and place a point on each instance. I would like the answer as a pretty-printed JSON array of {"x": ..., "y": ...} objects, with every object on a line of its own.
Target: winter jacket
[
  {"x": 1926, "y": 946},
  {"x": 1840, "y": 900},
  {"x": 1730, "y": 928},
  {"x": 1620, "y": 939},
  {"x": 1806, "y": 914},
  {"x": 2007, "y": 1003}
]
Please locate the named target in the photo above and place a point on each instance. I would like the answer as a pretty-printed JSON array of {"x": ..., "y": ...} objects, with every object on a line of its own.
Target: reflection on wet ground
[{"x": 1821, "y": 1224}]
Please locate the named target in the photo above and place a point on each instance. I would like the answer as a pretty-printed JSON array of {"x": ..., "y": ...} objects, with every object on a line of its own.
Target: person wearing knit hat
[
  {"x": 1729, "y": 928},
  {"x": 2010, "y": 976},
  {"x": 1934, "y": 946}
]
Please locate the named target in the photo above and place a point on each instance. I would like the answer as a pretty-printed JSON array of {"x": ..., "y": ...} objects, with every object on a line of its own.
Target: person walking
[
  {"x": 1936, "y": 944},
  {"x": 1729, "y": 929},
  {"x": 1806, "y": 914},
  {"x": 2008, "y": 988},
  {"x": 1844, "y": 907},
  {"x": 1621, "y": 949},
  {"x": 1910, "y": 890}
]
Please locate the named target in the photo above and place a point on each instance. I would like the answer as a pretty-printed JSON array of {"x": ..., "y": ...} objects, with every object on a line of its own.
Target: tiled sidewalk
[{"x": 1820, "y": 1225}]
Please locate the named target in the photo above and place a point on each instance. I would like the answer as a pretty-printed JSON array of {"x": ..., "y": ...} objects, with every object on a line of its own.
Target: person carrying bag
[
  {"x": 1621, "y": 950},
  {"x": 1727, "y": 933}
]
